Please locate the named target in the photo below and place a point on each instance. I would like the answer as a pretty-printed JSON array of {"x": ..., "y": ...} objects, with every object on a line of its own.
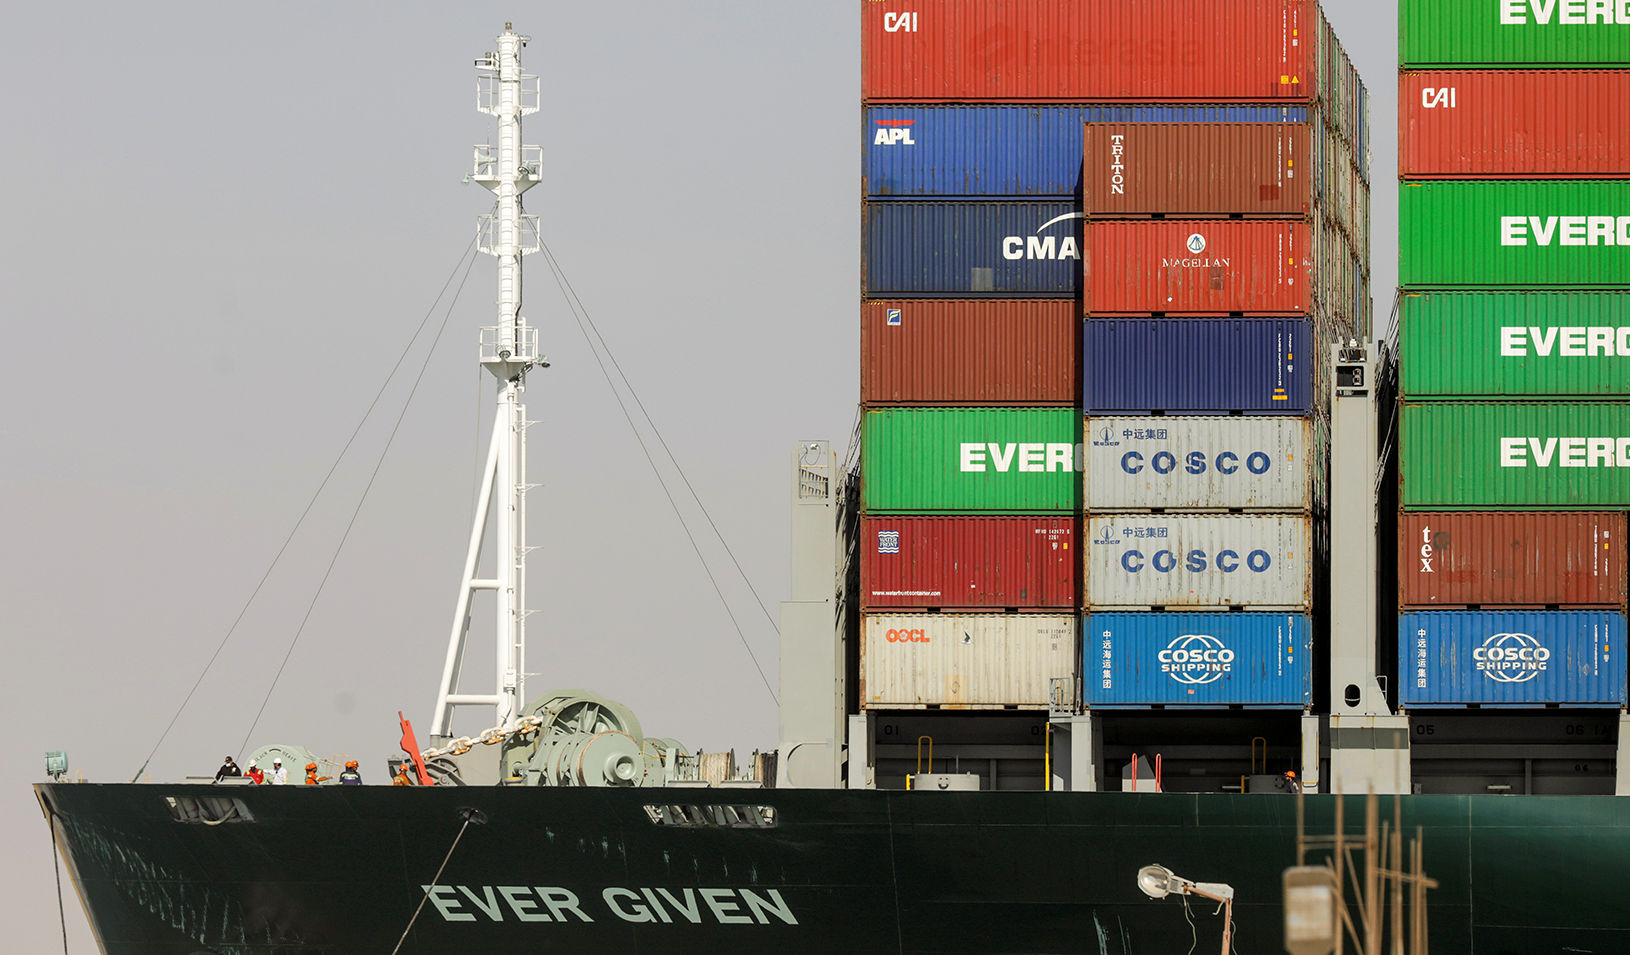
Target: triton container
[
  {"x": 1196, "y": 659},
  {"x": 928, "y": 460},
  {"x": 1138, "y": 561},
  {"x": 968, "y": 562},
  {"x": 921, "y": 247},
  {"x": 1198, "y": 169},
  {"x": 1511, "y": 558},
  {"x": 968, "y": 351},
  {"x": 973, "y": 661},
  {"x": 1198, "y": 366},
  {"x": 1511, "y": 658},
  {"x": 1253, "y": 463},
  {"x": 1511, "y": 33}
]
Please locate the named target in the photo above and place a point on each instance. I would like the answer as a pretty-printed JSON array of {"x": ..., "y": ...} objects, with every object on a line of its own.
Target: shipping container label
[
  {"x": 1234, "y": 462},
  {"x": 1514, "y": 233},
  {"x": 1514, "y": 344},
  {"x": 1143, "y": 659},
  {"x": 971, "y": 459},
  {"x": 1512, "y": 657},
  {"x": 1198, "y": 561},
  {"x": 1462, "y": 454}
]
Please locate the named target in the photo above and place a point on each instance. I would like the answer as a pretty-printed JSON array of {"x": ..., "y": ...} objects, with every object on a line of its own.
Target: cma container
[
  {"x": 968, "y": 351},
  {"x": 973, "y": 661},
  {"x": 1519, "y": 233},
  {"x": 1510, "y": 33},
  {"x": 930, "y": 248},
  {"x": 930, "y": 460},
  {"x": 1163, "y": 560},
  {"x": 1514, "y": 344},
  {"x": 1511, "y": 558},
  {"x": 967, "y": 562},
  {"x": 1493, "y": 455},
  {"x": 1197, "y": 169},
  {"x": 1494, "y": 124},
  {"x": 1511, "y": 658},
  {"x": 1196, "y": 659},
  {"x": 1198, "y": 366},
  {"x": 1254, "y": 463}
]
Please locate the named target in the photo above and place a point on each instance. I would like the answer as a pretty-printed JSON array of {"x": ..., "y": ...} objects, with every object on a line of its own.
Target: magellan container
[
  {"x": 1198, "y": 169},
  {"x": 922, "y": 247},
  {"x": 1511, "y": 558},
  {"x": 1196, "y": 659},
  {"x": 1198, "y": 366},
  {"x": 934, "y": 460},
  {"x": 1511, "y": 33},
  {"x": 967, "y": 562},
  {"x": 1511, "y": 658},
  {"x": 972, "y": 661},
  {"x": 1495, "y": 455},
  {"x": 1514, "y": 344},
  {"x": 1251, "y": 463},
  {"x": 1198, "y": 266},
  {"x": 968, "y": 351},
  {"x": 1138, "y": 561}
]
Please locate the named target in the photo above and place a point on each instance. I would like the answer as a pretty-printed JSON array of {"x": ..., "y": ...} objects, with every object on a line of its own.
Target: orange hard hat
[
  {"x": 1291, "y": 773},
  {"x": 311, "y": 766},
  {"x": 351, "y": 764}
]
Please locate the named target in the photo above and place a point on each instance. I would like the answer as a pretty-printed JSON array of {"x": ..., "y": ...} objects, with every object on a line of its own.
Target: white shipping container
[
  {"x": 1163, "y": 560},
  {"x": 964, "y": 660},
  {"x": 1261, "y": 463}
]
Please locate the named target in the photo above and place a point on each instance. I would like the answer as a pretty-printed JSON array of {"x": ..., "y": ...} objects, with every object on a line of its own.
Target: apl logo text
[
  {"x": 894, "y": 132},
  {"x": 1038, "y": 246},
  {"x": 1511, "y": 657},
  {"x": 1196, "y": 659}
]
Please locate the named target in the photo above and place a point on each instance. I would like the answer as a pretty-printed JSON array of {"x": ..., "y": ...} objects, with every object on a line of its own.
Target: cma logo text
[
  {"x": 1021, "y": 457},
  {"x": 1196, "y": 659},
  {"x": 1039, "y": 246},
  {"x": 1566, "y": 12},
  {"x": 1510, "y": 657},
  {"x": 1566, "y": 340},
  {"x": 894, "y": 132},
  {"x": 899, "y": 23},
  {"x": 1565, "y": 452},
  {"x": 1566, "y": 230}
]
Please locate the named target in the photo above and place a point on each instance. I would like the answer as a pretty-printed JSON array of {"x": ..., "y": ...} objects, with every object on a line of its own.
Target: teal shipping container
[{"x": 960, "y": 460}]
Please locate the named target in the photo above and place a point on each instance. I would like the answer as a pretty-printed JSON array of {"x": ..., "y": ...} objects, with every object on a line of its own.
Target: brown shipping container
[
  {"x": 1499, "y": 124},
  {"x": 1511, "y": 559},
  {"x": 1197, "y": 169},
  {"x": 1198, "y": 266},
  {"x": 968, "y": 352},
  {"x": 1018, "y": 563}
]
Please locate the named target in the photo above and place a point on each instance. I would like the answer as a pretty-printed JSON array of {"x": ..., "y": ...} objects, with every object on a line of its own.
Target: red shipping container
[
  {"x": 1498, "y": 124},
  {"x": 968, "y": 352},
  {"x": 1197, "y": 266},
  {"x": 1511, "y": 559},
  {"x": 1197, "y": 169},
  {"x": 1020, "y": 563}
]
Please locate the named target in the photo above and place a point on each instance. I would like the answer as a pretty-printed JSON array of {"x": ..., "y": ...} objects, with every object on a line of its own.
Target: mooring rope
[{"x": 470, "y": 815}]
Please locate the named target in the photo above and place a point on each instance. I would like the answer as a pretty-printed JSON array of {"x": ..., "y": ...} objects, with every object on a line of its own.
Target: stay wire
[
  {"x": 62, "y": 915},
  {"x": 303, "y": 514},
  {"x": 432, "y": 885}
]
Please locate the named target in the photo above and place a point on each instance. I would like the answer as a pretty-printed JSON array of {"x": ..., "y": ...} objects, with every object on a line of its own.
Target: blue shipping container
[
  {"x": 961, "y": 248},
  {"x": 1197, "y": 659},
  {"x": 1511, "y": 658},
  {"x": 1197, "y": 366}
]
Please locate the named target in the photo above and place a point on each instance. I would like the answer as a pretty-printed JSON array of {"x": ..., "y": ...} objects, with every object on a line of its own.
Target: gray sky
[{"x": 221, "y": 225}]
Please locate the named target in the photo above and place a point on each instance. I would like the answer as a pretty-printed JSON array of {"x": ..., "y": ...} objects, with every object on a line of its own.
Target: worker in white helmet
[{"x": 280, "y": 776}]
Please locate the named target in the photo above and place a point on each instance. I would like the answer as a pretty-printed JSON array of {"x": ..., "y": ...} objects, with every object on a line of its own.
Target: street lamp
[{"x": 1157, "y": 882}]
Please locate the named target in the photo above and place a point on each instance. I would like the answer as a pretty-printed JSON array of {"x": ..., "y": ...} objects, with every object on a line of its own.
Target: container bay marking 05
[
  {"x": 1257, "y": 463},
  {"x": 928, "y": 460},
  {"x": 923, "y": 247},
  {"x": 1505, "y": 558},
  {"x": 958, "y": 661},
  {"x": 1196, "y": 659},
  {"x": 1164, "y": 560},
  {"x": 1512, "y": 33},
  {"x": 1511, "y": 658},
  {"x": 967, "y": 562},
  {"x": 1198, "y": 366},
  {"x": 968, "y": 351}
]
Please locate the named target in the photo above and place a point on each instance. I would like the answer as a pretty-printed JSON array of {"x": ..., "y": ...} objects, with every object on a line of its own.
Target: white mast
[{"x": 508, "y": 350}]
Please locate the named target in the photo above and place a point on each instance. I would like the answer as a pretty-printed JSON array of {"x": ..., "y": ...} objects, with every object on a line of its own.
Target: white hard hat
[
  {"x": 278, "y": 761},
  {"x": 251, "y": 764}
]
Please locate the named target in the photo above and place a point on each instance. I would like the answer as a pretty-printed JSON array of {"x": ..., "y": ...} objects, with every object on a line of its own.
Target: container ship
[{"x": 1144, "y": 553}]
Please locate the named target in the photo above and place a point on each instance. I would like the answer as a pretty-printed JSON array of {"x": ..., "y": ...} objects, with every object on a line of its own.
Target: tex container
[
  {"x": 1240, "y": 462},
  {"x": 1514, "y": 344},
  {"x": 1503, "y": 124},
  {"x": 920, "y": 247},
  {"x": 1511, "y": 658},
  {"x": 1197, "y": 366},
  {"x": 1138, "y": 561},
  {"x": 965, "y": 661},
  {"x": 936, "y": 460},
  {"x": 1137, "y": 169},
  {"x": 966, "y": 562},
  {"x": 968, "y": 351},
  {"x": 1196, "y": 659},
  {"x": 1511, "y": 558},
  {"x": 1516, "y": 233},
  {"x": 1511, "y": 33},
  {"x": 1495, "y": 455}
]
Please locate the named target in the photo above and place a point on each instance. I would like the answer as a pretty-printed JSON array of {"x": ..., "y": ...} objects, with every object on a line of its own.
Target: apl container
[
  {"x": 1197, "y": 366},
  {"x": 1511, "y": 658},
  {"x": 1504, "y": 558},
  {"x": 1513, "y": 33},
  {"x": 1138, "y": 561},
  {"x": 1196, "y": 659},
  {"x": 937, "y": 460},
  {"x": 1254, "y": 463},
  {"x": 966, "y": 562},
  {"x": 1198, "y": 169},
  {"x": 968, "y": 351},
  {"x": 973, "y": 661},
  {"x": 920, "y": 247}
]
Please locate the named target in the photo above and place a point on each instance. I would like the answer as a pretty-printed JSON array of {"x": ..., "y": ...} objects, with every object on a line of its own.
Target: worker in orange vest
[
  {"x": 312, "y": 778},
  {"x": 256, "y": 773}
]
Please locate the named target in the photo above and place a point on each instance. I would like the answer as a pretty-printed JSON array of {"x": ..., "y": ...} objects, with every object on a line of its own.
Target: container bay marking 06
[
  {"x": 1505, "y": 558},
  {"x": 1257, "y": 463},
  {"x": 1196, "y": 659},
  {"x": 927, "y": 460},
  {"x": 1198, "y": 366},
  {"x": 1511, "y": 658},
  {"x": 1165, "y": 560},
  {"x": 967, "y": 562},
  {"x": 958, "y": 661}
]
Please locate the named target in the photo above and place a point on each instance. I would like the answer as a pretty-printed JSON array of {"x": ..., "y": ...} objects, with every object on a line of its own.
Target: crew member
[
  {"x": 258, "y": 775},
  {"x": 280, "y": 776},
  {"x": 350, "y": 777},
  {"x": 312, "y": 778},
  {"x": 1291, "y": 785},
  {"x": 228, "y": 768}
]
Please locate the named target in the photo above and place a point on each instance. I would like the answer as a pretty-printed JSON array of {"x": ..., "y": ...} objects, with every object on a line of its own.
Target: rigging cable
[
  {"x": 470, "y": 815},
  {"x": 62, "y": 916}
]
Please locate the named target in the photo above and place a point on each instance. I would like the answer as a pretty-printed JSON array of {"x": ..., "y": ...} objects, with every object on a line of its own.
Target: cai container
[
  {"x": 937, "y": 460},
  {"x": 1196, "y": 659},
  {"x": 971, "y": 661},
  {"x": 989, "y": 351},
  {"x": 1513, "y": 33},
  {"x": 1139, "y": 561},
  {"x": 967, "y": 562},
  {"x": 1232, "y": 462},
  {"x": 1197, "y": 366},
  {"x": 1511, "y": 658},
  {"x": 1197, "y": 169},
  {"x": 1000, "y": 249},
  {"x": 1511, "y": 558}
]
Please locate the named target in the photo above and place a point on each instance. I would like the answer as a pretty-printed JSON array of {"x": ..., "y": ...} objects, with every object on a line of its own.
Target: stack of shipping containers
[{"x": 1514, "y": 376}]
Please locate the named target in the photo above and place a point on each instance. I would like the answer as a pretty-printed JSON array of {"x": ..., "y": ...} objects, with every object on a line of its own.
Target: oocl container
[
  {"x": 1504, "y": 558},
  {"x": 968, "y": 562},
  {"x": 1196, "y": 659},
  {"x": 935, "y": 460},
  {"x": 968, "y": 351},
  {"x": 1197, "y": 366},
  {"x": 1199, "y": 265},
  {"x": 921, "y": 247},
  {"x": 1198, "y": 169},
  {"x": 1513, "y": 33},
  {"x": 1511, "y": 658},
  {"x": 1255, "y": 463},
  {"x": 971, "y": 661},
  {"x": 1163, "y": 560}
]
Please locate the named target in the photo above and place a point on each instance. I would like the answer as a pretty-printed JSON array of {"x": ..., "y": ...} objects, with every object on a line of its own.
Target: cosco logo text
[
  {"x": 907, "y": 636},
  {"x": 1164, "y": 561},
  {"x": 1164, "y": 462}
]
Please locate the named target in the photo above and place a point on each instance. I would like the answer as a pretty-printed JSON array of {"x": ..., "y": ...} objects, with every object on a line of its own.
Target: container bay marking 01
[
  {"x": 1164, "y": 560},
  {"x": 1512, "y": 658},
  {"x": 1196, "y": 659},
  {"x": 965, "y": 660},
  {"x": 1259, "y": 463}
]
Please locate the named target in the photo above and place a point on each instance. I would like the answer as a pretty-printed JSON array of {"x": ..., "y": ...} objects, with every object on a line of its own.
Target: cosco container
[
  {"x": 968, "y": 351},
  {"x": 1198, "y": 169},
  {"x": 1518, "y": 233},
  {"x": 1492, "y": 455},
  {"x": 1253, "y": 463},
  {"x": 934, "y": 460},
  {"x": 1511, "y": 658},
  {"x": 963, "y": 562},
  {"x": 1196, "y": 659},
  {"x": 972, "y": 661},
  {"x": 1198, "y": 366},
  {"x": 1506, "y": 558},
  {"x": 1164, "y": 560},
  {"x": 920, "y": 247},
  {"x": 1510, "y": 33},
  {"x": 1514, "y": 344}
]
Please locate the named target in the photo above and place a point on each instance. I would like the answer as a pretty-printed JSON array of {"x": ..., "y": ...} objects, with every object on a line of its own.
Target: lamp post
[{"x": 1157, "y": 882}]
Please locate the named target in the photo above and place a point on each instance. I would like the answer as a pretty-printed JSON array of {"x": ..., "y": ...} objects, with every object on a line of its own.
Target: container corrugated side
[
  {"x": 1196, "y": 659},
  {"x": 1505, "y": 558},
  {"x": 1495, "y": 455},
  {"x": 1166, "y": 560},
  {"x": 1198, "y": 169},
  {"x": 1199, "y": 366},
  {"x": 1256, "y": 463},
  {"x": 1199, "y": 265},
  {"x": 968, "y": 351},
  {"x": 924, "y": 247},
  {"x": 1512, "y": 33},
  {"x": 946, "y": 460},
  {"x": 971, "y": 661},
  {"x": 1511, "y": 658},
  {"x": 966, "y": 562}
]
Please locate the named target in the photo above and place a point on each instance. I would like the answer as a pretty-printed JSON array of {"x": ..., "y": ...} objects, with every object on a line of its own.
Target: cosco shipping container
[
  {"x": 920, "y": 247},
  {"x": 1240, "y": 462},
  {"x": 1513, "y": 33},
  {"x": 1511, "y": 558},
  {"x": 968, "y": 351},
  {"x": 966, "y": 562},
  {"x": 1197, "y": 659},
  {"x": 935, "y": 460},
  {"x": 965, "y": 661},
  {"x": 1198, "y": 366},
  {"x": 1138, "y": 561},
  {"x": 1511, "y": 658}
]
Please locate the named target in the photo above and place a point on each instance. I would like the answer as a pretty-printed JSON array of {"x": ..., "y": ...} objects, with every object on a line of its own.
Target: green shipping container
[
  {"x": 939, "y": 460},
  {"x": 1509, "y": 33},
  {"x": 1490, "y": 455},
  {"x": 1514, "y": 344},
  {"x": 1515, "y": 233}
]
